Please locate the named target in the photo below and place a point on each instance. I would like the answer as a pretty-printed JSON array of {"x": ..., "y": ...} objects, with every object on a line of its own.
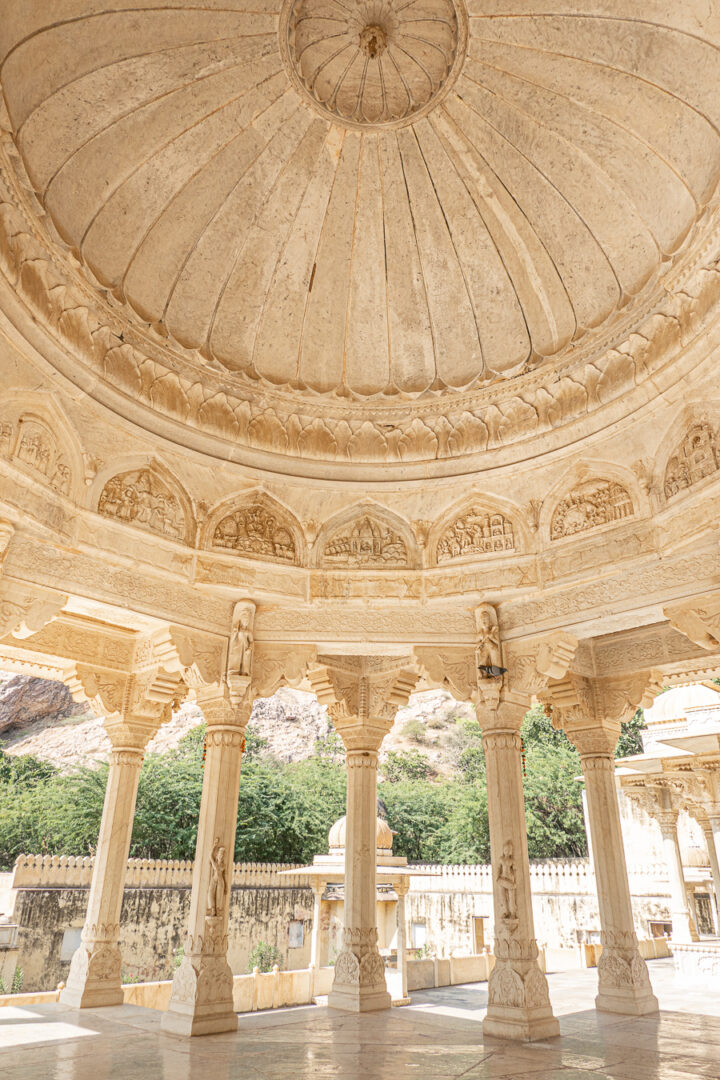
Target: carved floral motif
[
  {"x": 697, "y": 456},
  {"x": 254, "y": 530},
  {"x": 589, "y": 505},
  {"x": 141, "y": 498},
  {"x": 475, "y": 532},
  {"x": 365, "y": 542}
]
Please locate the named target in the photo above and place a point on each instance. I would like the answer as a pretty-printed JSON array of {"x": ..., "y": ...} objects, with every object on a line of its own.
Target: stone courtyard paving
[{"x": 437, "y": 1036}]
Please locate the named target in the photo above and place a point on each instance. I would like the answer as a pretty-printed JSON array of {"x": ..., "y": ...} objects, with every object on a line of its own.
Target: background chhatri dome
[
  {"x": 547, "y": 187},
  {"x": 336, "y": 836}
]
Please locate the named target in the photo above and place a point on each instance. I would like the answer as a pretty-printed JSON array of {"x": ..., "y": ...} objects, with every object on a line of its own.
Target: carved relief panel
[
  {"x": 365, "y": 542},
  {"x": 697, "y": 456},
  {"x": 256, "y": 532},
  {"x": 31, "y": 442},
  {"x": 142, "y": 498},
  {"x": 476, "y": 532},
  {"x": 589, "y": 505}
]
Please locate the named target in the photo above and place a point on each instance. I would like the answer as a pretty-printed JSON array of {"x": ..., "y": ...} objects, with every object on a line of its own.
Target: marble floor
[{"x": 437, "y": 1036}]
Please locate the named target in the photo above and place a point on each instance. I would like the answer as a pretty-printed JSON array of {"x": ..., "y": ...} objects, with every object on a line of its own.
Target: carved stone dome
[
  {"x": 365, "y": 232},
  {"x": 336, "y": 837},
  {"x": 674, "y": 703}
]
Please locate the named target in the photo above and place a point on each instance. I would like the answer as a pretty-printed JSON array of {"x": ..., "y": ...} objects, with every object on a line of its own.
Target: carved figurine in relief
[
  {"x": 476, "y": 533},
  {"x": 241, "y": 642},
  {"x": 488, "y": 652},
  {"x": 141, "y": 498},
  {"x": 506, "y": 881},
  {"x": 217, "y": 889},
  {"x": 589, "y": 505},
  {"x": 365, "y": 543},
  {"x": 696, "y": 457},
  {"x": 6, "y": 436},
  {"x": 254, "y": 531}
]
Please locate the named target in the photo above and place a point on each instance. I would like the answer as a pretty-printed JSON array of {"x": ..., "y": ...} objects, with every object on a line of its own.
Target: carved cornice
[{"x": 698, "y": 619}]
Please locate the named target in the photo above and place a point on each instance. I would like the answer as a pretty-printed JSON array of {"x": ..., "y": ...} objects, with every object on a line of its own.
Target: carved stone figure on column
[
  {"x": 507, "y": 883},
  {"x": 241, "y": 642},
  {"x": 488, "y": 646},
  {"x": 217, "y": 889}
]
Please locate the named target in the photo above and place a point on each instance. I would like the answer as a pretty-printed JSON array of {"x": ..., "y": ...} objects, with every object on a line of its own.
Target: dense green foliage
[
  {"x": 264, "y": 957},
  {"x": 286, "y": 809}
]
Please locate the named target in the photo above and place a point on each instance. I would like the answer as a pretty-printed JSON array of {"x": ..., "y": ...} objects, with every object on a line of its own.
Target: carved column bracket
[{"x": 698, "y": 619}]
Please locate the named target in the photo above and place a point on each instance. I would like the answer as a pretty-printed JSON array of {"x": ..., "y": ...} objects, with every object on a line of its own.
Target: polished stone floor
[{"x": 437, "y": 1036}]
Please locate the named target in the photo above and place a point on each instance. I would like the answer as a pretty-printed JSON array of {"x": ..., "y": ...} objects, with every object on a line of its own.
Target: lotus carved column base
[
  {"x": 95, "y": 976},
  {"x": 202, "y": 993},
  {"x": 623, "y": 980},
  {"x": 359, "y": 984},
  {"x": 518, "y": 1001}
]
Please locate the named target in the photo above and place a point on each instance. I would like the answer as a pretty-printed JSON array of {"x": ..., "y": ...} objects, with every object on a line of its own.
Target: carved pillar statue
[
  {"x": 201, "y": 1002},
  {"x": 140, "y": 703},
  {"x": 363, "y": 694},
  {"x": 683, "y": 924},
  {"x": 518, "y": 1001},
  {"x": 500, "y": 679},
  {"x": 623, "y": 980}
]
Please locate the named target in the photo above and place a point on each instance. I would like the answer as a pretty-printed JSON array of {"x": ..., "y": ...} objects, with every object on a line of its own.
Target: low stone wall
[
  {"x": 50, "y": 901},
  {"x": 447, "y": 899}
]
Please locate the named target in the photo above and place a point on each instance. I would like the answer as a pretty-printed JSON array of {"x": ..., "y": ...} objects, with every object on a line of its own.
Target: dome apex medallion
[{"x": 373, "y": 63}]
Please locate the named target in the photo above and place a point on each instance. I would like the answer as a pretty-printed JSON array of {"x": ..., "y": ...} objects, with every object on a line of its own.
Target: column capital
[
  {"x": 698, "y": 619},
  {"x": 362, "y": 694},
  {"x": 591, "y": 711}
]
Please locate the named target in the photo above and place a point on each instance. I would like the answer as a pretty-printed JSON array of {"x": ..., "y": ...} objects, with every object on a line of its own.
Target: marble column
[
  {"x": 359, "y": 983},
  {"x": 683, "y": 925},
  {"x": 518, "y": 1001},
  {"x": 318, "y": 888},
  {"x": 95, "y": 971},
  {"x": 623, "y": 980},
  {"x": 709, "y": 834},
  {"x": 401, "y": 888},
  {"x": 201, "y": 1002}
]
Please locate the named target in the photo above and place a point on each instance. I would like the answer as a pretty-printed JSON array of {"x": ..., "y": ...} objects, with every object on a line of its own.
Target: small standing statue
[
  {"x": 241, "y": 642},
  {"x": 217, "y": 886},
  {"x": 489, "y": 659},
  {"x": 506, "y": 881}
]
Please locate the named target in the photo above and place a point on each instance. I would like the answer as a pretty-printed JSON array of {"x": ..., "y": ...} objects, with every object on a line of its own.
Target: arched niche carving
[
  {"x": 476, "y": 530},
  {"x": 695, "y": 457},
  {"x": 257, "y": 527},
  {"x": 590, "y": 504},
  {"x": 367, "y": 537},
  {"x": 37, "y": 438},
  {"x": 148, "y": 497}
]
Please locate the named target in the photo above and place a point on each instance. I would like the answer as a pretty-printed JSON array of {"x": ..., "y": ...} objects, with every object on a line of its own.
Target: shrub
[
  {"x": 264, "y": 957},
  {"x": 407, "y": 765}
]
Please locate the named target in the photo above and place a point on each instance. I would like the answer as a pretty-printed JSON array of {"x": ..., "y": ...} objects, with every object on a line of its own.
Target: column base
[
  {"x": 520, "y": 1025},
  {"x": 199, "y": 1022},
  {"x": 626, "y": 1002},
  {"x": 91, "y": 997},
  {"x": 358, "y": 999}
]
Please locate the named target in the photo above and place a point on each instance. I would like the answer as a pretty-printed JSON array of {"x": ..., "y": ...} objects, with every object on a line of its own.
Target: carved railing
[{"x": 70, "y": 871}]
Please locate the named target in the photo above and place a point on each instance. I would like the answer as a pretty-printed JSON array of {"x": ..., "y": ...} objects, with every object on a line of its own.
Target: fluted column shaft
[
  {"x": 202, "y": 995},
  {"x": 359, "y": 983},
  {"x": 519, "y": 1004},
  {"x": 623, "y": 980},
  {"x": 683, "y": 926},
  {"x": 96, "y": 970}
]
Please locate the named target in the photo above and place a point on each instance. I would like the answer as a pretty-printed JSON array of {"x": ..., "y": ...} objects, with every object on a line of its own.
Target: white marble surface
[{"x": 438, "y": 1036}]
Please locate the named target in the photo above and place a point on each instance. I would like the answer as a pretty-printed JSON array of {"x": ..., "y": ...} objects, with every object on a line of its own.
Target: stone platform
[{"x": 439, "y": 1035}]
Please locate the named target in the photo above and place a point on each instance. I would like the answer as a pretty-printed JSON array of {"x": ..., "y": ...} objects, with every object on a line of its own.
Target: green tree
[
  {"x": 630, "y": 741},
  {"x": 406, "y": 765}
]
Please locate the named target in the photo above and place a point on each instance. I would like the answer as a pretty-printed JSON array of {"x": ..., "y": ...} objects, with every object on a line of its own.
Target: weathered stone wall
[{"x": 154, "y": 917}]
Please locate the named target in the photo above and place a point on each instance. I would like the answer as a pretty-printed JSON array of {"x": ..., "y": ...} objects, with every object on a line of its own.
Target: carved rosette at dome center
[{"x": 375, "y": 62}]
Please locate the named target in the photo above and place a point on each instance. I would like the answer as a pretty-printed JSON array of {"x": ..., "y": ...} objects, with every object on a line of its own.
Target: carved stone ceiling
[{"x": 396, "y": 200}]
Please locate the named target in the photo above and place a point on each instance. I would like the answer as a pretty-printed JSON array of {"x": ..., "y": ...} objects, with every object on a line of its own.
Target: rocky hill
[{"x": 39, "y": 717}]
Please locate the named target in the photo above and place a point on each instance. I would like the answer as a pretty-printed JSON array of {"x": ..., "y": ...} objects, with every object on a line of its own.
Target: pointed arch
[
  {"x": 477, "y": 527},
  {"x": 256, "y": 526},
  {"x": 37, "y": 436},
  {"x": 144, "y": 493},
  {"x": 590, "y": 495},
  {"x": 366, "y": 536}
]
